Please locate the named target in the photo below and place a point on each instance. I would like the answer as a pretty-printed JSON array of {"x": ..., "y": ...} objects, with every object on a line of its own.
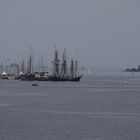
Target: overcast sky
[{"x": 102, "y": 33}]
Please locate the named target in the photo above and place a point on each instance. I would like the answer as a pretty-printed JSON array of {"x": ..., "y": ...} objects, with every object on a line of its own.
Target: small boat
[{"x": 35, "y": 84}]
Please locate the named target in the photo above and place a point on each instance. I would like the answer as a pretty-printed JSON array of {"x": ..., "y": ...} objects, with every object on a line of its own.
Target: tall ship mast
[
  {"x": 29, "y": 75},
  {"x": 29, "y": 69},
  {"x": 23, "y": 67},
  {"x": 72, "y": 68},
  {"x": 64, "y": 73},
  {"x": 55, "y": 72}
]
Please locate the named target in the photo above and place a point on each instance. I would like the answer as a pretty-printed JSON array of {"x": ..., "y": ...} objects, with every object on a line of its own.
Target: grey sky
[{"x": 98, "y": 32}]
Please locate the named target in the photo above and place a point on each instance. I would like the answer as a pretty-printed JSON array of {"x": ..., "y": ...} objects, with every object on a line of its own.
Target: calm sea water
[{"x": 102, "y": 106}]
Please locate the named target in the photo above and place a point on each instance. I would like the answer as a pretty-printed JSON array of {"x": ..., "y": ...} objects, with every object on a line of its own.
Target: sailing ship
[
  {"x": 61, "y": 71},
  {"x": 29, "y": 76}
]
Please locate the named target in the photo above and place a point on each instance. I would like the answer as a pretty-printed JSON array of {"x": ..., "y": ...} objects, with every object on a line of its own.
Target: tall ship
[
  {"x": 29, "y": 75},
  {"x": 64, "y": 71}
]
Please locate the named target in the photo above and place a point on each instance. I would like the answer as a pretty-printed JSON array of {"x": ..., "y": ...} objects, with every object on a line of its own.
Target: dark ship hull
[
  {"x": 54, "y": 78},
  {"x": 30, "y": 77},
  {"x": 42, "y": 79},
  {"x": 73, "y": 79}
]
